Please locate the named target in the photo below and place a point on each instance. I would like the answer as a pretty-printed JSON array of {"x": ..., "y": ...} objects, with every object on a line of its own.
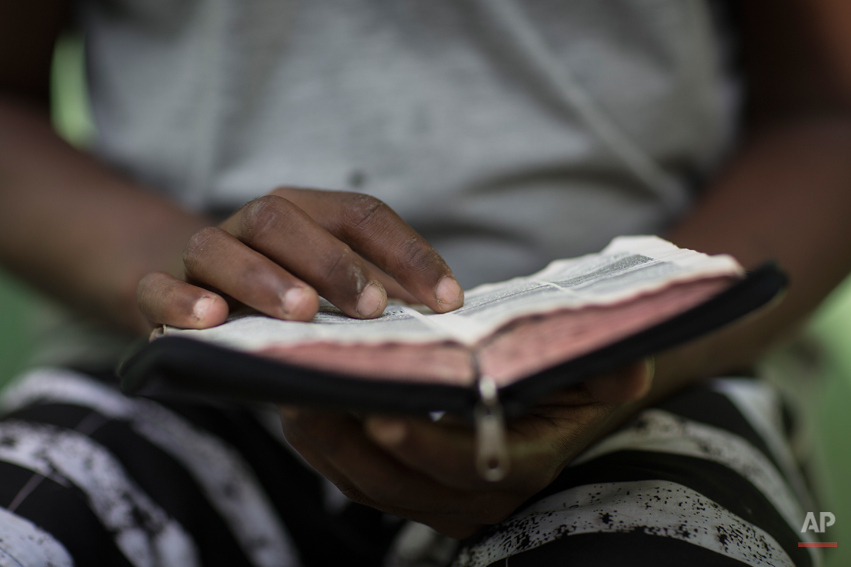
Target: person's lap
[
  {"x": 90, "y": 474},
  {"x": 706, "y": 479}
]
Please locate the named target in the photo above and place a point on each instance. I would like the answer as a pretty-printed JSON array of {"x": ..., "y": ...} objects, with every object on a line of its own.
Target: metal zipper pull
[{"x": 492, "y": 459}]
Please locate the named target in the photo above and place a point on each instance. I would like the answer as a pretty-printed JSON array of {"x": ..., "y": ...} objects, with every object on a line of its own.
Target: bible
[{"x": 510, "y": 343}]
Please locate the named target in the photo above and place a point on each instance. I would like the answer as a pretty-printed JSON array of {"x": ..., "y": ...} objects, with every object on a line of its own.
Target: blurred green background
[{"x": 829, "y": 330}]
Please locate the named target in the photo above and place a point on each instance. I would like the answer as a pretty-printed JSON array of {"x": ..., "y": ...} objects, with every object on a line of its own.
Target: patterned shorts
[{"x": 91, "y": 477}]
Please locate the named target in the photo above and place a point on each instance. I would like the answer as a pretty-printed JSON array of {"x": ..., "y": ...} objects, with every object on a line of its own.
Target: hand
[
  {"x": 280, "y": 252},
  {"x": 426, "y": 471}
]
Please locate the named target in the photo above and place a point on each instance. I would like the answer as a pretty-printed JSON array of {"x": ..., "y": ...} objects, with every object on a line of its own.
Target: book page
[
  {"x": 252, "y": 331},
  {"x": 629, "y": 267}
]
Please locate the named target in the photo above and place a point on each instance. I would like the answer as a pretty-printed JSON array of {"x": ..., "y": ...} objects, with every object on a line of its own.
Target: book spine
[{"x": 492, "y": 460}]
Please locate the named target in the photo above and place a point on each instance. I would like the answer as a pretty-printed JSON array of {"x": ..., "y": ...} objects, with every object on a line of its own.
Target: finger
[
  {"x": 394, "y": 289},
  {"x": 279, "y": 230},
  {"x": 623, "y": 385},
  {"x": 215, "y": 258},
  {"x": 462, "y": 521},
  {"x": 446, "y": 453},
  {"x": 164, "y": 299},
  {"x": 376, "y": 232},
  {"x": 318, "y": 462},
  {"x": 335, "y": 442}
]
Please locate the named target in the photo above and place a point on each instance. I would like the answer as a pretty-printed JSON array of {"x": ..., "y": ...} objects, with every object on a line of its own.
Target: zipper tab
[{"x": 491, "y": 446}]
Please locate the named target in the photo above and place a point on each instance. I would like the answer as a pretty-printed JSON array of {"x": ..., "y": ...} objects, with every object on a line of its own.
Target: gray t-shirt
[{"x": 507, "y": 132}]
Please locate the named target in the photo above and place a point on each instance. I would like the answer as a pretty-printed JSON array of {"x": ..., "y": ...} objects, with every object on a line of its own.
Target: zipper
[{"x": 492, "y": 460}]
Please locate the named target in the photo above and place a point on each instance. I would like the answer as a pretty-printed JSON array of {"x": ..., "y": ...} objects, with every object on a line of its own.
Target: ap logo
[{"x": 826, "y": 519}]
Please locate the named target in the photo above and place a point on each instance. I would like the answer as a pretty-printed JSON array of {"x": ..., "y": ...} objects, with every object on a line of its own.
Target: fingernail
[
  {"x": 199, "y": 310},
  {"x": 372, "y": 300},
  {"x": 293, "y": 299},
  {"x": 386, "y": 431},
  {"x": 448, "y": 292}
]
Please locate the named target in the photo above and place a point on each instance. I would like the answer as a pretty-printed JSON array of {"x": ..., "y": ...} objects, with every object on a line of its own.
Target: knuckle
[
  {"x": 415, "y": 255},
  {"x": 362, "y": 210},
  {"x": 198, "y": 243},
  {"x": 263, "y": 215}
]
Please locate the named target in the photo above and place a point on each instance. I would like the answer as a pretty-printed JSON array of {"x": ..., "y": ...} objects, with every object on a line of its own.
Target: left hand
[{"x": 425, "y": 471}]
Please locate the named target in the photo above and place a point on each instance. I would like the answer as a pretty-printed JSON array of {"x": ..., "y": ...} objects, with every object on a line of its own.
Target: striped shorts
[{"x": 91, "y": 477}]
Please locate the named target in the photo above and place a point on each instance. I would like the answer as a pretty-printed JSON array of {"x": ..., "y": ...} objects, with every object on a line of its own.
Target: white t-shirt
[{"x": 507, "y": 132}]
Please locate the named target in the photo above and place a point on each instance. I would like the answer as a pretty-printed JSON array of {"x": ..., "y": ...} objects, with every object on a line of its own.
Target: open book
[
  {"x": 507, "y": 331},
  {"x": 509, "y": 344}
]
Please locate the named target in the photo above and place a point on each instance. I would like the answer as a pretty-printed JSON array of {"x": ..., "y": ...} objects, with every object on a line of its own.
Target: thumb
[{"x": 625, "y": 384}]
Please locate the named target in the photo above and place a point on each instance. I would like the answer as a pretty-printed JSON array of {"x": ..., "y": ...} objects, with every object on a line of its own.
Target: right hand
[{"x": 278, "y": 253}]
